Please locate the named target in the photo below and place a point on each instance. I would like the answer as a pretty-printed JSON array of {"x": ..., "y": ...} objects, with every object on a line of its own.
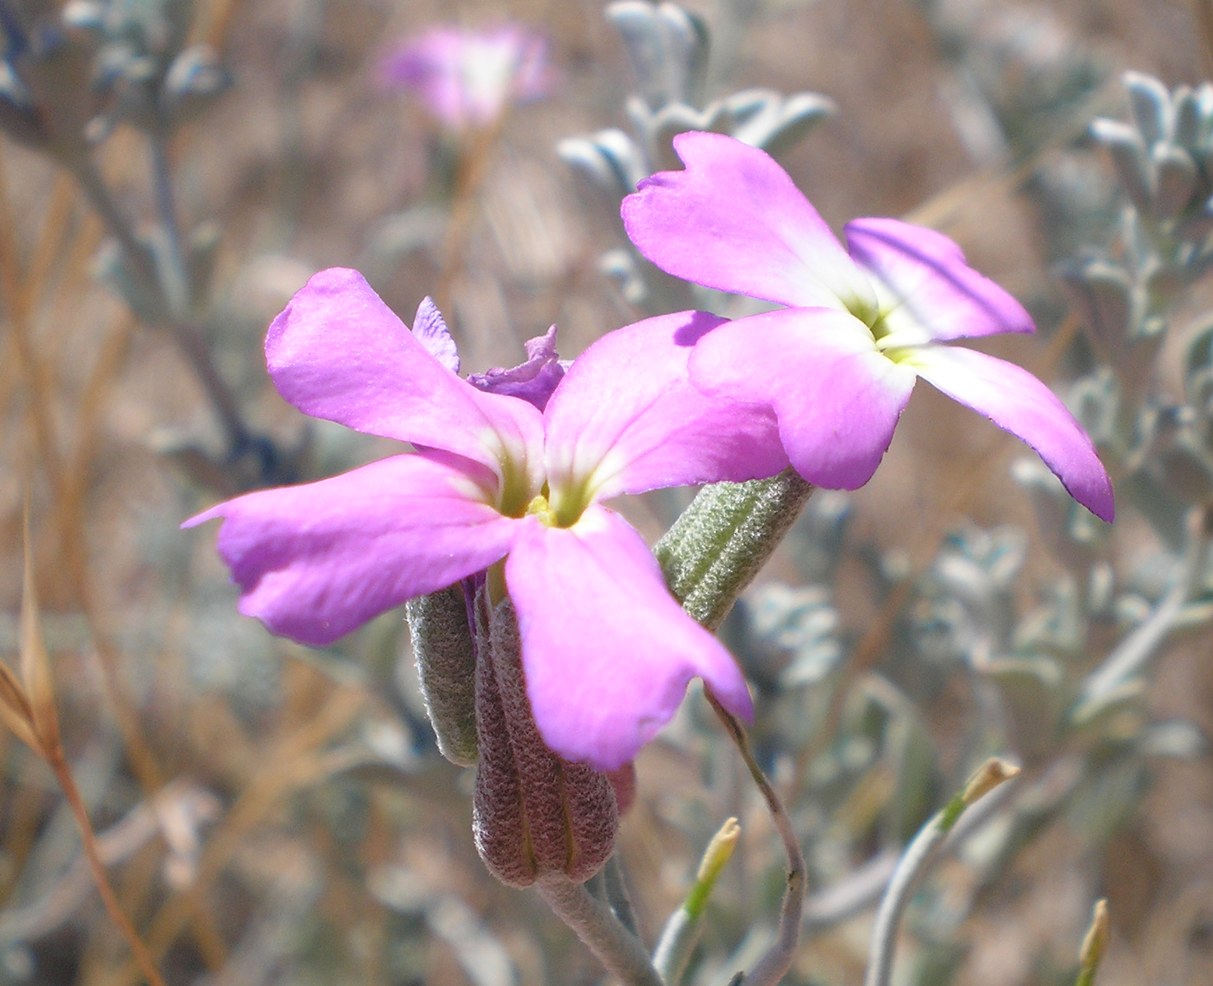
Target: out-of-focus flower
[
  {"x": 607, "y": 651},
  {"x": 467, "y": 79},
  {"x": 861, "y": 325}
]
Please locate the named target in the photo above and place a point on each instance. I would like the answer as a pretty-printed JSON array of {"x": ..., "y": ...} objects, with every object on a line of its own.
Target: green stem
[
  {"x": 682, "y": 931},
  {"x": 916, "y": 860}
]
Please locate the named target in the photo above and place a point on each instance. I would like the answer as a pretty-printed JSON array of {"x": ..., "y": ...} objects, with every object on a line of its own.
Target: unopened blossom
[
  {"x": 861, "y": 324},
  {"x": 606, "y": 650},
  {"x": 467, "y": 79}
]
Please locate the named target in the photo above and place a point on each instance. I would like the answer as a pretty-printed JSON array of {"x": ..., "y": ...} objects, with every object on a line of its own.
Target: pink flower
[
  {"x": 607, "y": 651},
  {"x": 860, "y": 326},
  {"x": 467, "y": 78}
]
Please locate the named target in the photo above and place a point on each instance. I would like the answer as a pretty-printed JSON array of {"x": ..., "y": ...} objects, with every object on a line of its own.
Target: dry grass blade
[
  {"x": 29, "y": 707},
  {"x": 35, "y": 663},
  {"x": 15, "y": 708}
]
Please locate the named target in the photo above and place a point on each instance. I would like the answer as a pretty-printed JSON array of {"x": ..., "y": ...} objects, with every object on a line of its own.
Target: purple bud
[
  {"x": 533, "y": 813},
  {"x": 532, "y": 381}
]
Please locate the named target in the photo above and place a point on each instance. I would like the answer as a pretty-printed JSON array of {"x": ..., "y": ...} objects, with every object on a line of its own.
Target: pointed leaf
[
  {"x": 15, "y": 709},
  {"x": 35, "y": 662}
]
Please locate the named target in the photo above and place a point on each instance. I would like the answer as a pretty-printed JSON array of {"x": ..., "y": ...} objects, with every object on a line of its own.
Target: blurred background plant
[
  {"x": 271, "y": 814},
  {"x": 75, "y": 73}
]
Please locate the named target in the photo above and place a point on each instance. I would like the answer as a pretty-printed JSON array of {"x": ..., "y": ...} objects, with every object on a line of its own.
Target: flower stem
[
  {"x": 474, "y": 153},
  {"x": 682, "y": 931},
  {"x": 915, "y": 862},
  {"x": 724, "y": 537},
  {"x": 143, "y": 266},
  {"x": 770, "y": 969},
  {"x": 620, "y": 951},
  {"x": 175, "y": 278}
]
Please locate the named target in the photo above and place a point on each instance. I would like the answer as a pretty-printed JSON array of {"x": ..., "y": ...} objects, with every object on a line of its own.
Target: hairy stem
[{"x": 620, "y": 951}]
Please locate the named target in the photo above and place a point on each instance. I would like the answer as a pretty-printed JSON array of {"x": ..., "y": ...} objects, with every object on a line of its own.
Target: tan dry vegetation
[{"x": 298, "y": 165}]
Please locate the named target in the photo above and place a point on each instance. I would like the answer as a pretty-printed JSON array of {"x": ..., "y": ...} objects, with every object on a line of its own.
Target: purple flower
[
  {"x": 467, "y": 78},
  {"x": 860, "y": 326},
  {"x": 606, "y": 650}
]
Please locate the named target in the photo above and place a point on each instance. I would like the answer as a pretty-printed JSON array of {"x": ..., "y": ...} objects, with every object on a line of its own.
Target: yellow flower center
[{"x": 540, "y": 508}]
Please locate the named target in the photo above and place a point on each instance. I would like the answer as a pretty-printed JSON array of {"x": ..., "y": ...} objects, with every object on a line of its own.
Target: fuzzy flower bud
[
  {"x": 533, "y": 813},
  {"x": 446, "y": 667}
]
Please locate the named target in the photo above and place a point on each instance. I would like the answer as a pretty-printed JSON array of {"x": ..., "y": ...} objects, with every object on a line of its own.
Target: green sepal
[
  {"x": 446, "y": 666},
  {"x": 724, "y": 537}
]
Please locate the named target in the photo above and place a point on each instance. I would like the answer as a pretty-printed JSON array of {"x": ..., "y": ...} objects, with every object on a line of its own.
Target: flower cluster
[{"x": 512, "y": 468}]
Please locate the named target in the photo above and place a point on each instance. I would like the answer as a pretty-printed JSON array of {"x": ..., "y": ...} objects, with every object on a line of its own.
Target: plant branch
[
  {"x": 175, "y": 277},
  {"x": 1139, "y": 646},
  {"x": 143, "y": 267},
  {"x": 617, "y": 895},
  {"x": 916, "y": 860},
  {"x": 620, "y": 951},
  {"x": 770, "y": 969}
]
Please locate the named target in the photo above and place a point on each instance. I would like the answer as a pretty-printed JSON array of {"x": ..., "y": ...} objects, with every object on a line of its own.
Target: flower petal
[
  {"x": 316, "y": 561},
  {"x": 430, "y": 66},
  {"x": 626, "y": 418},
  {"x": 338, "y": 352},
  {"x": 532, "y": 381},
  {"x": 429, "y": 329},
  {"x": 607, "y": 651},
  {"x": 1019, "y": 403},
  {"x": 733, "y": 220},
  {"x": 935, "y": 294},
  {"x": 837, "y": 398}
]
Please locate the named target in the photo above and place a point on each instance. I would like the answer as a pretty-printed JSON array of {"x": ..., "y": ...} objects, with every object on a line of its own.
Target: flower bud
[
  {"x": 446, "y": 667},
  {"x": 1095, "y": 943},
  {"x": 533, "y": 813},
  {"x": 623, "y": 783}
]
